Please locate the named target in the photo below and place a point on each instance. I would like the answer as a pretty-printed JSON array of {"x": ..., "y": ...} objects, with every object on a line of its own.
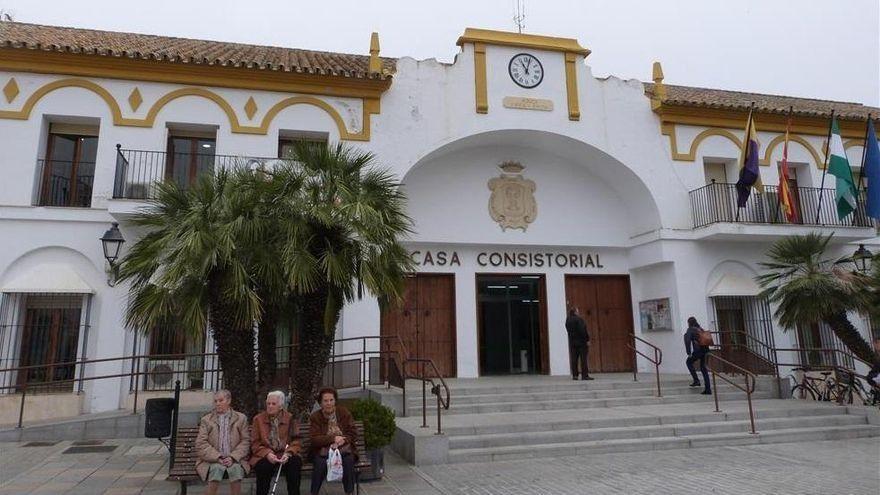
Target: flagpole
[
  {"x": 745, "y": 153},
  {"x": 785, "y": 159},
  {"x": 825, "y": 168},
  {"x": 861, "y": 170}
]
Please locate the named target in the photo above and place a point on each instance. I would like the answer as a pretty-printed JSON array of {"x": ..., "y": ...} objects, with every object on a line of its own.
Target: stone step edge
[
  {"x": 770, "y": 424},
  {"x": 815, "y": 411},
  {"x": 760, "y": 395},
  {"x": 649, "y": 392},
  {"x": 686, "y": 440},
  {"x": 571, "y": 385}
]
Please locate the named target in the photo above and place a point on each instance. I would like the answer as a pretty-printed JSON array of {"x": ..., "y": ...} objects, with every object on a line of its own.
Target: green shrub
[{"x": 378, "y": 421}]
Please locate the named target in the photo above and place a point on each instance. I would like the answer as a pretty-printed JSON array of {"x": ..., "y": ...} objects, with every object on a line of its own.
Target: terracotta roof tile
[
  {"x": 189, "y": 51},
  {"x": 736, "y": 100}
]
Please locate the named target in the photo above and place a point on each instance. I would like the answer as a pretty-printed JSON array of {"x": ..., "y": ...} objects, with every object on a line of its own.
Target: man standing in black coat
[{"x": 578, "y": 344}]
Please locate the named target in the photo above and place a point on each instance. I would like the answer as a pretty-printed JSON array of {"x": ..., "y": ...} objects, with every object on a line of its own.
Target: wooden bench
[{"x": 183, "y": 469}]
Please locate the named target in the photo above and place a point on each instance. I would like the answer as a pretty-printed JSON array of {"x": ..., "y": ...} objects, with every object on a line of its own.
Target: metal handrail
[
  {"x": 774, "y": 362},
  {"x": 135, "y": 373},
  {"x": 435, "y": 389},
  {"x": 748, "y": 389},
  {"x": 657, "y": 359}
]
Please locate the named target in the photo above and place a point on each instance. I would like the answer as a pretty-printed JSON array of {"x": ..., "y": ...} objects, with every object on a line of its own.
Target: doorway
[
  {"x": 511, "y": 314},
  {"x": 605, "y": 304},
  {"x": 425, "y": 320}
]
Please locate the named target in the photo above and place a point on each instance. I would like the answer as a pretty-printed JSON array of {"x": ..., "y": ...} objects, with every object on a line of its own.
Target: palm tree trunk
[
  {"x": 266, "y": 359},
  {"x": 851, "y": 338},
  {"x": 235, "y": 348},
  {"x": 312, "y": 352}
]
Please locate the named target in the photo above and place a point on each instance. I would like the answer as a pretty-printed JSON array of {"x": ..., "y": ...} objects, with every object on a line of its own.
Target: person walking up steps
[{"x": 696, "y": 351}]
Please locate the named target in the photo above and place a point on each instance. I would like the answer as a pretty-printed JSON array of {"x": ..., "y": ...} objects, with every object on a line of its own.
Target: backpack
[{"x": 704, "y": 338}]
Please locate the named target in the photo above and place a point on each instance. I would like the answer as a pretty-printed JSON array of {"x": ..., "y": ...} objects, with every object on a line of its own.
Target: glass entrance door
[{"x": 509, "y": 309}]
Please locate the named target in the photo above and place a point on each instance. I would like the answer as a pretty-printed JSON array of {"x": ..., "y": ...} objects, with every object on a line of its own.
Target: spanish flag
[
  {"x": 749, "y": 172},
  {"x": 786, "y": 200}
]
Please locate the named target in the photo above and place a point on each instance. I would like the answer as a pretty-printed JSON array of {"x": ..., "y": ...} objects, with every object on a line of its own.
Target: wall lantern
[
  {"x": 862, "y": 259},
  {"x": 112, "y": 242}
]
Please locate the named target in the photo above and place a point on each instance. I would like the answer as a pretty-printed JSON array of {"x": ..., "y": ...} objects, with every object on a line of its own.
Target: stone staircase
[{"x": 528, "y": 417}]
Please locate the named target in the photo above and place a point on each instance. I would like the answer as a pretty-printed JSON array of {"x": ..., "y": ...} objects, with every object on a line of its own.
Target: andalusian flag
[
  {"x": 838, "y": 166},
  {"x": 749, "y": 172},
  {"x": 786, "y": 201}
]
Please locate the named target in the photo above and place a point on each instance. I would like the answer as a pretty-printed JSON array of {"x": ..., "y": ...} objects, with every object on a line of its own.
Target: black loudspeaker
[{"x": 158, "y": 418}]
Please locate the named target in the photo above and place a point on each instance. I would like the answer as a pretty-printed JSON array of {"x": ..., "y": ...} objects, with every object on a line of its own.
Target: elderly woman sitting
[
  {"x": 276, "y": 445},
  {"x": 223, "y": 445},
  {"x": 332, "y": 427}
]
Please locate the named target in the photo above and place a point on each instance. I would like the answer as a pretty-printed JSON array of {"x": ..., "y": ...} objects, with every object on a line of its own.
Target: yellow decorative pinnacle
[
  {"x": 659, "y": 88},
  {"x": 250, "y": 108},
  {"x": 10, "y": 91},
  {"x": 375, "y": 63},
  {"x": 135, "y": 99}
]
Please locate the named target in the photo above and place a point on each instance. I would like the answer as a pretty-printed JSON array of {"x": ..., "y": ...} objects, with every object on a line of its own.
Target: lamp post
[
  {"x": 112, "y": 241},
  {"x": 862, "y": 259}
]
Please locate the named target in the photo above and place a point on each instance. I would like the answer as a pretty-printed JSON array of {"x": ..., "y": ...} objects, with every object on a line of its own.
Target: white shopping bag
[{"x": 334, "y": 465}]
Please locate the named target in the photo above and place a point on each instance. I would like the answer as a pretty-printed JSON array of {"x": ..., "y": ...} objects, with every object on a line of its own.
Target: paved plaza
[{"x": 831, "y": 467}]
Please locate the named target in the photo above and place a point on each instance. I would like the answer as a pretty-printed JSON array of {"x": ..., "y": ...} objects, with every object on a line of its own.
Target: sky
[{"x": 807, "y": 48}]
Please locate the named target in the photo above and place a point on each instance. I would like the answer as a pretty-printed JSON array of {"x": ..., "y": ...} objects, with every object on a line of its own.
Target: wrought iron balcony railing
[
  {"x": 64, "y": 183},
  {"x": 716, "y": 203},
  {"x": 138, "y": 171}
]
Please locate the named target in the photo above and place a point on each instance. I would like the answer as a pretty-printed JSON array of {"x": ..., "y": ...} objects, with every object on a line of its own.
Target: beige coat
[{"x": 208, "y": 442}]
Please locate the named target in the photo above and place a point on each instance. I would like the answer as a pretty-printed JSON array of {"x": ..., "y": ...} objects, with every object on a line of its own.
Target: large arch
[{"x": 640, "y": 203}]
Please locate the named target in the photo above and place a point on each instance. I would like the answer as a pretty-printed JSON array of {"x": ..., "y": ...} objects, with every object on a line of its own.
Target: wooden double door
[
  {"x": 605, "y": 303},
  {"x": 425, "y": 320}
]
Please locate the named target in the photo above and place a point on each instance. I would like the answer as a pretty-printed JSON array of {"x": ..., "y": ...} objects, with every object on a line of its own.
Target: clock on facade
[{"x": 526, "y": 70}]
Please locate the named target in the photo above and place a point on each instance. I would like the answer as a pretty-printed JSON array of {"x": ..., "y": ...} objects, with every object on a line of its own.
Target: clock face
[{"x": 526, "y": 70}]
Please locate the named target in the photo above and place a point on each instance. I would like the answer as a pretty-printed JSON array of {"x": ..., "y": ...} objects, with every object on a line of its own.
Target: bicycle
[
  {"x": 854, "y": 389},
  {"x": 824, "y": 389}
]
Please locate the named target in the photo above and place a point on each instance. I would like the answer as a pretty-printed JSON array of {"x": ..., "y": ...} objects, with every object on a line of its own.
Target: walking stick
[{"x": 278, "y": 474}]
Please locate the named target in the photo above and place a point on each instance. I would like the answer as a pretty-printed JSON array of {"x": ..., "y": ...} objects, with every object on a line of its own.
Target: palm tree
[
  {"x": 192, "y": 266},
  {"x": 808, "y": 287},
  {"x": 341, "y": 218}
]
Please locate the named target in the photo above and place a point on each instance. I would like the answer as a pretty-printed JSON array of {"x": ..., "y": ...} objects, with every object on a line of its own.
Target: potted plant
[{"x": 379, "y": 428}]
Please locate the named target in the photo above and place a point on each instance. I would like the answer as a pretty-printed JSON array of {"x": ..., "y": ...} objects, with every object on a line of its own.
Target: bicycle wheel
[
  {"x": 799, "y": 391},
  {"x": 837, "y": 391}
]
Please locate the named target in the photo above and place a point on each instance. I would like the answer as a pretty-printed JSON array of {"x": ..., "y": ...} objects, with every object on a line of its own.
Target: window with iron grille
[
  {"x": 745, "y": 331},
  {"x": 42, "y": 336}
]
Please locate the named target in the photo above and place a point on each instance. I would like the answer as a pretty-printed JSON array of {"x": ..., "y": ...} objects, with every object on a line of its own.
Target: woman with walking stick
[{"x": 275, "y": 447}]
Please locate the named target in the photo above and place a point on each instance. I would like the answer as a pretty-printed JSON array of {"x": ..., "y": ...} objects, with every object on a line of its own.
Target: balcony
[
  {"x": 716, "y": 202},
  {"x": 65, "y": 183},
  {"x": 138, "y": 171}
]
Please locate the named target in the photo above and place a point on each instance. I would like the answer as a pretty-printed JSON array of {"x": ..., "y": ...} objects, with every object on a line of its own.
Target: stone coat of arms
[{"x": 512, "y": 203}]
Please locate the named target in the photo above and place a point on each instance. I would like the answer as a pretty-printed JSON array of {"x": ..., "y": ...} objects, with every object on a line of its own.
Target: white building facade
[{"x": 533, "y": 187}]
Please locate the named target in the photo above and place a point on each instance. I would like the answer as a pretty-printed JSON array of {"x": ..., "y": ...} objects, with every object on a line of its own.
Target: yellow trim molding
[
  {"x": 669, "y": 129},
  {"x": 780, "y": 139},
  {"x": 10, "y": 90},
  {"x": 736, "y": 119},
  {"x": 135, "y": 99},
  {"x": 691, "y": 155},
  {"x": 250, "y": 108},
  {"x": 507, "y": 38},
  {"x": 571, "y": 86},
  {"x": 370, "y": 106},
  {"x": 69, "y": 64},
  {"x": 481, "y": 93},
  {"x": 42, "y": 91}
]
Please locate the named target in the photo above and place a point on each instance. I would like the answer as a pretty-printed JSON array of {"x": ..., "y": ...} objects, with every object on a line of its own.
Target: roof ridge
[
  {"x": 772, "y": 95},
  {"x": 181, "y": 38}
]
